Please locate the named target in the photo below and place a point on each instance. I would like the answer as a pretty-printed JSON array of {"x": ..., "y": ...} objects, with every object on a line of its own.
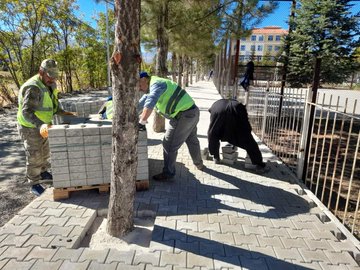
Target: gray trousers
[
  {"x": 181, "y": 129},
  {"x": 37, "y": 153}
]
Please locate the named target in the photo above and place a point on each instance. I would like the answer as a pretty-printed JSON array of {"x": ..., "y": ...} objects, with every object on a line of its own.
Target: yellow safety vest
[{"x": 48, "y": 107}]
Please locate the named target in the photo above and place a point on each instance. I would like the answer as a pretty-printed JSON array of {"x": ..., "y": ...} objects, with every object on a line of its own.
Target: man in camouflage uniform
[{"x": 38, "y": 102}]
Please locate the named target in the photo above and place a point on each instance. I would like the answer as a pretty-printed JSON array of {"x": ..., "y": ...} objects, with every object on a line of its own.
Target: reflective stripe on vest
[
  {"x": 109, "y": 109},
  {"x": 173, "y": 100},
  {"x": 48, "y": 104}
]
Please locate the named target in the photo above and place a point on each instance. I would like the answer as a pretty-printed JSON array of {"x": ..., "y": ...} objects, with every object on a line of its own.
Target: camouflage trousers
[{"x": 37, "y": 153}]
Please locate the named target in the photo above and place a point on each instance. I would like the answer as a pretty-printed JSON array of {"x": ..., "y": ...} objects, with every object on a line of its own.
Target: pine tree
[{"x": 325, "y": 31}]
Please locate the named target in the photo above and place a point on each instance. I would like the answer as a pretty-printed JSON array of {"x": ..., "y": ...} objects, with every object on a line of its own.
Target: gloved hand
[
  {"x": 44, "y": 130},
  {"x": 70, "y": 113}
]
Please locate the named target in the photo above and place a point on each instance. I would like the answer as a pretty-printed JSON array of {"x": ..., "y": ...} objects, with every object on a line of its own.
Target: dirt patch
[{"x": 14, "y": 192}]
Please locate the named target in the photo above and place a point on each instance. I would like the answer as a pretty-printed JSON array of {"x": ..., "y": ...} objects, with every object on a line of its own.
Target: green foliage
[{"x": 323, "y": 29}]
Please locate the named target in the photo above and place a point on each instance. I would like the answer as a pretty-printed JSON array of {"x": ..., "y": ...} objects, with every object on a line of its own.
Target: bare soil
[{"x": 14, "y": 191}]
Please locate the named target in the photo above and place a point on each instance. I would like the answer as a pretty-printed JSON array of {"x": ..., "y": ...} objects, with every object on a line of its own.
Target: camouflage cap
[{"x": 50, "y": 67}]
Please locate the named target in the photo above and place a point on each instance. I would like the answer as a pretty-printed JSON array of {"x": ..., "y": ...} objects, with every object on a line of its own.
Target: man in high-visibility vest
[
  {"x": 38, "y": 102},
  {"x": 106, "y": 111},
  {"x": 175, "y": 104}
]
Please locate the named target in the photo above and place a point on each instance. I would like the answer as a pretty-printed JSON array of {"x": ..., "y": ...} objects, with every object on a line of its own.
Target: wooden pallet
[{"x": 64, "y": 193}]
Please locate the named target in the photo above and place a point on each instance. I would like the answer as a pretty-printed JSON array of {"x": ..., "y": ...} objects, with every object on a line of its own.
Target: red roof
[{"x": 269, "y": 30}]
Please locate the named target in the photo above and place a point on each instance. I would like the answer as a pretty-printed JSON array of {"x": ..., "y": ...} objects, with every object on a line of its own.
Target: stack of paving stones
[
  {"x": 230, "y": 154},
  {"x": 81, "y": 154},
  {"x": 83, "y": 106}
]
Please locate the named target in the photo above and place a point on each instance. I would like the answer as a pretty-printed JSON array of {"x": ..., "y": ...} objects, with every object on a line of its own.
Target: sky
[{"x": 89, "y": 8}]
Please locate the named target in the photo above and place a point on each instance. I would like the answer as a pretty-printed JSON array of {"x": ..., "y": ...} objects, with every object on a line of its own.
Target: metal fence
[{"x": 332, "y": 166}]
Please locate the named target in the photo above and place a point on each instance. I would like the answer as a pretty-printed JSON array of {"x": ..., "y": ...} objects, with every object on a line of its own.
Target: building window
[
  {"x": 277, "y": 38},
  {"x": 270, "y": 38},
  {"x": 243, "y": 39},
  {"x": 261, "y": 38},
  {"x": 270, "y": 48},
  {"x": 260, "y": 48},
  {"x": 253, "y": 38},
  {"x": 253, "y": 47},
  {"x": 277, "y": 48},
  {"x": 242, "y": 58},
  {"x": 259, "y": 58},
  {"x": 243, "y": 48}
]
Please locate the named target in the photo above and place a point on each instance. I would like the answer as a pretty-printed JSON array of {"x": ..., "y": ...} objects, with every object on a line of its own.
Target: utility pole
[{"x": 108, "y": 51}]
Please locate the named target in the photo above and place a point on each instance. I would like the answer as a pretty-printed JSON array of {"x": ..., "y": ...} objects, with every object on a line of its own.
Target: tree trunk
[
  {"x": 187, "y": 67},
  {"x": 180, "y": 70},
  {"x": 161, "y": 56},
  {"x": 191, "y": 70},
  {"x": 173, "y": 66},
  {"x": 125, "y": 72}
]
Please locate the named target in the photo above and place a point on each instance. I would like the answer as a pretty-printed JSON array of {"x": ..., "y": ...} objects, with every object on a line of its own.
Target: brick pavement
[{"x": 224, "y": 217}]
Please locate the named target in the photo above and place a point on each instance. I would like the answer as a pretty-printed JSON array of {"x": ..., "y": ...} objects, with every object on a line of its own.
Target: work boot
[
  {"x": 46, "y": 176},
  {"x": 37, "y": 189},
  {"x": 162, "y": 177},
  {"x": 200, "y": 167}
]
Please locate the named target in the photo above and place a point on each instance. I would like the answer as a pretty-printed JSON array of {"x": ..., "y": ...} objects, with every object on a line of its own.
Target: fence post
[
  {"x": 304, "y": 134},
  {"x": 265, "y": 111}
]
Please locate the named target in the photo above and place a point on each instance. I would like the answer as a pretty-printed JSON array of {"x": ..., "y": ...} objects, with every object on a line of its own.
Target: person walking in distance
[
  {"x": 175, "y": 104},
  {"x": 38, "y": 102}
]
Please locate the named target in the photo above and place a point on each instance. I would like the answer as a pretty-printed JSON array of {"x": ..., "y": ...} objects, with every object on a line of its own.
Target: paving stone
[
  {"x": 17, "y": 220},
  {"x": 18, "y": 265},
  {"x": 167, "y": 258},
  {"x": 199, "y": 260},
  {"x": 251, "y": 264},
  {"x": 46, "y": 265},
  {"x": 150, "y": 267},
  {"x": 50, "y": 204},
  {"x": 241, "y": 239},
  {"x": 44, "y": 254},
  {"x": 211, "y": 227},
  {"x": 36, "y": 229},
  {"x": 294, "y": 243},
  {"x": 193, "y": 247},
  {"x": 288, "y": 254},
  {"x": 60, "y": 221},
  {"x": 299, "y": 234},
  {"x": 14, "y": 240},
  {"x": 259, "y": 230},
  {"x": 282, "y": 223},
  {"x": 70, "y": 212},
  {"x": 198, "y": 218},
  {"x": 226, "y": 238},
  {"x": 152, "y": 258},
  {"x": 211, "y": 247},
  {"x": 318, "y": 244},
  {"x": 3, "y": 262},
  {"x": 9, "y": 228},
  {"x": 122, "y": 266},
  {"x": 236, "y": 228},
  {"x": 162, "y": 246},
  {"x": 226, "y": 262},
  {"x": 313, "y": 256},
  {"x": 260, "y": 222},
  {"x": 259, "y": 252},
  {"x": 59, "y": 230},
  {"x": 35, "y": 220},
  {"x": 181, "y": 225},
  {"x": 196, "y": 236},
  {"x": 94, "y": 255},
  {"x": 215, "y": 218},
  {"x": 174, "y": 235},
  {"x": 18, "y": 253},
  {"x": 69, "y": 265},
  {"x": 274, "y": 263},
  {"x": 94, "y": 265},
  {"x": 340, "y": 258},
  {"x": 322, "y": 235},
  {"x": 305, "y": 266},
  {"x": 325, "y": 266},
  {"x": 67, "y": 254},
  {"x": 53, "y": 212},
  {"x": 270, "y": 232},
  {"x": 29, "y": 211},
  {"x": 125, "y": 257}
]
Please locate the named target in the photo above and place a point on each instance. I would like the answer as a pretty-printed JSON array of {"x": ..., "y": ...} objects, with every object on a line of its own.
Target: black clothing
[
  {"x": 248, "y": 76},
  {"x": 229, "y": 122}
]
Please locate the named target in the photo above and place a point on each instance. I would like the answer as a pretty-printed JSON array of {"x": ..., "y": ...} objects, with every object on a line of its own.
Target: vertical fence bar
[{"x": 265, "y": 112}]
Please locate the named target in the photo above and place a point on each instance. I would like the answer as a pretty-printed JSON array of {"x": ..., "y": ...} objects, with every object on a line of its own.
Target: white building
[{"x": 261, "y": 42}]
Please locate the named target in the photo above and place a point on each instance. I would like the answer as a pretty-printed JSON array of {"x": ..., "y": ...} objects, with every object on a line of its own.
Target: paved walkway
[{"x": 224, "y": 217}]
